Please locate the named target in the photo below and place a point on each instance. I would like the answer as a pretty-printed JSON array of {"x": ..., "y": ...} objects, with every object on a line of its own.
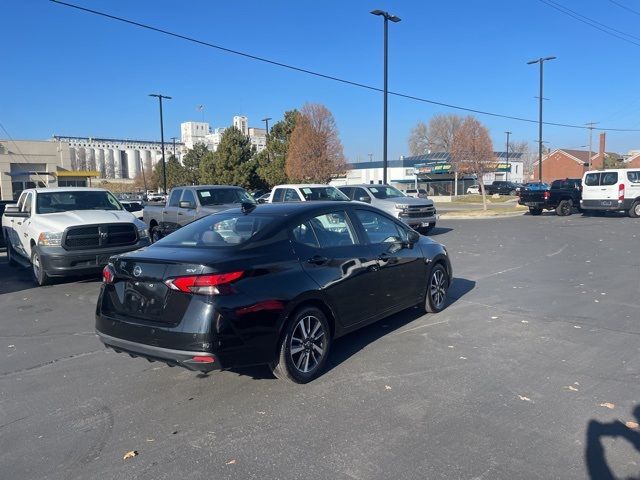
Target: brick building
[
  {"x": 566, "y": 163},
  {"x": 633, "y": 162}
]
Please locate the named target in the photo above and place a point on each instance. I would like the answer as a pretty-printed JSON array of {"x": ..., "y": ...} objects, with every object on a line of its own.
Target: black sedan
[{"x": 272, "y": 284}]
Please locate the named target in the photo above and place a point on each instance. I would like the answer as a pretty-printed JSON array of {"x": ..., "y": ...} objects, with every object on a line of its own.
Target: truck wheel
[
  {"x": 535, "y": 211},
  {"x": 512, "y": 193},
  {"x": 564, "y": 208},
  {"x": 634, "y": 211},
  {"x": 304, "y": 348},
  {"x": 39, "y": 275},
  {"x": 155, "y": 234}
]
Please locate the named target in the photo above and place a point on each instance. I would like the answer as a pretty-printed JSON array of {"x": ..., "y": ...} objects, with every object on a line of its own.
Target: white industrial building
[{"x": 201, "y": 132}]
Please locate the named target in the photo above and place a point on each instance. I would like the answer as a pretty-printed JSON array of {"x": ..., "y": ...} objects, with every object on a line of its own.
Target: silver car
[{"x": 418, "y": 213}]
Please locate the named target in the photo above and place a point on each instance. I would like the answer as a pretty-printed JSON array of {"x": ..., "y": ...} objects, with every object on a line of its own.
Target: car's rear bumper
[
  {"x": 606, "y": 205},
  {"x": 196, "y": 361},
  {"x": 58, "y": 262}
]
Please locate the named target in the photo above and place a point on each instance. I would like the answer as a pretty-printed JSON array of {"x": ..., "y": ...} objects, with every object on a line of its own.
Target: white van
[{"x": 612, "y": 190}]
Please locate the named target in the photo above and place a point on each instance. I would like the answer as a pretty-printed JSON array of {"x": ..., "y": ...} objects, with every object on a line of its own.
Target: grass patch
[{"x": 478, "y": 199}]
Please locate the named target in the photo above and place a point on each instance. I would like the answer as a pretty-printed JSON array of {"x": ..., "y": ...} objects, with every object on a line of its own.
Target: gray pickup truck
[{"x": 186, "y": 204}]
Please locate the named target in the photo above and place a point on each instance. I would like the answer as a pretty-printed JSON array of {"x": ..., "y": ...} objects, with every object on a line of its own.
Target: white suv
[
  {"x": 305, "y": 193},
  {"x": 612, "y": 190}
]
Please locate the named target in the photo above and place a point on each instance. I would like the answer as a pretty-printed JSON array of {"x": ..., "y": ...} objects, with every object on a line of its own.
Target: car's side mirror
[
  {"x": 365, "y": 199},
  {"x": 187, "y": 204},
  {"x": 413, "y": 237},
  {"x": 14, "y": 212}
]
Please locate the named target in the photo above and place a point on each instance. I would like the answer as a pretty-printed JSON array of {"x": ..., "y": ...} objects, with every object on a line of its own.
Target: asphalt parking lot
[{"x": 531, "y": 372}]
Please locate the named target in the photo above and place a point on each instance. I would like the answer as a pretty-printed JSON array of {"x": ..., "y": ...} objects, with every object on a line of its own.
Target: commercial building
[
  {"x": 201, "y": 132},
  {"x": 432, "y": 172}
]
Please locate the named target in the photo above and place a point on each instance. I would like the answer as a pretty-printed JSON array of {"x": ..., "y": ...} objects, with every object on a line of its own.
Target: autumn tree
[
  {"x": 435, "y": 137},
  {"x": 472, "y": 151},
  {"x": 271, "y": 161},
  {"x": 191, "y": 162},
  {"x": 315, "y": 152}
]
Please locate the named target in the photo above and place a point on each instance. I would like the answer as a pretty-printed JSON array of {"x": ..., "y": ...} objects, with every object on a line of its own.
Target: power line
[
  {"x": 592, "y": 23},
  {"x": 318, "y": 74},
  {"x": 625, "y": 7}
]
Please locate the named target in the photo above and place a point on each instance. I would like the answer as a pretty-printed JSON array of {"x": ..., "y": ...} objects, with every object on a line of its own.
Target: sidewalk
[{"x": 463, "y": 210}]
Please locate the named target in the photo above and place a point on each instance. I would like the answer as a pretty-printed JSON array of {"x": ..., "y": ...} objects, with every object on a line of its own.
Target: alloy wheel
[
  {"x": 308, "y": 344},
  {"x": 438, "y": 288}
]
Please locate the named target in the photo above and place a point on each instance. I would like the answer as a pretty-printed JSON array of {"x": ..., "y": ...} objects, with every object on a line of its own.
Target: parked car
[
  {"x": 418, "y": 213},
  {"x": 612, "y": 190},
  {"x": 563, "y": 196},
  {"x": 272, "y": 284},
  {"x": 473, "y": 189},
  {"x": 133, "y": 206},
  {"x": 532, "y": 186},
  {"x": 69, "y": 231},
  {"x": 416, "y": 193},
  {"x": 189, "y": 203},
  {"x": 4, "y": 203},
  {"x": 501, "y": 187},
  {"x": 305, "y": 193}
]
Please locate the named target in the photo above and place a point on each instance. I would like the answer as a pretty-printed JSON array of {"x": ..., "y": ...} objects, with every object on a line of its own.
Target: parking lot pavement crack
[{"x": 51, "y": 362}]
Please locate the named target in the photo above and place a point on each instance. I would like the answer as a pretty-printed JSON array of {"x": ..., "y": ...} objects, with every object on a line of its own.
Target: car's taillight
[
  {"x": 108, "y": 275},
  {"x": 547, "y": 195},
  {"x": 203, "y": 284},
  {"x": 621, "y": 192}
]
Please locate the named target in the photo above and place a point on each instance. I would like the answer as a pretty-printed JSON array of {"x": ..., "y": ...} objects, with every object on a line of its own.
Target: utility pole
[
  {"x": 266, "y": 138},
  {"x": 541, "y": 61},
  {"x": 164, "y": 164},
  {"x": 506, "y": 173},
  {"x": 370, "y": 157},
  {"x": 590, "y": 127},
  {"x": 387, "y": 16},
  {"x": 174, "y": 147}
]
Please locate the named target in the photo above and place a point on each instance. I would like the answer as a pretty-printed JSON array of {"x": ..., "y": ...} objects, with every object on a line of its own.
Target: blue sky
[{"x": 70, "y": 73}]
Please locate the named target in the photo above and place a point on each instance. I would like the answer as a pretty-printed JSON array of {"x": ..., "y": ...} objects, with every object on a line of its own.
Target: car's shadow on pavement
[
  {"x": 595, "y": 455},
  {"x": 345, "y": 347},
  {"x": 438, "y": 231},
  {"x": 17, "y": 278}
]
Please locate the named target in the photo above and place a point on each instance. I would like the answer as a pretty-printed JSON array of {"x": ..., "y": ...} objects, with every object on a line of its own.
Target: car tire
[
  {"x": 564, "y": 208},
  {"x": 297, "y": 349},
  {"x": 634, "y": 211},
  {"x": 437, "y": 285},
  {"x": 512, "y": 193},
  {"x": 155, "y": 234},
  {"x": 39, "y": 275},
  {"x": 535, "y": 211}
]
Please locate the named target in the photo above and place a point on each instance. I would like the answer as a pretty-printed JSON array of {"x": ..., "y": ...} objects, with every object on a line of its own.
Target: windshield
[
  {"x": 54, "y": 202},
  {"x": 223, "y": 196},
  {"x": 322, "y": 193},
  {"x": 217, "y": 230},
  {"x": 385, "y": 192}
]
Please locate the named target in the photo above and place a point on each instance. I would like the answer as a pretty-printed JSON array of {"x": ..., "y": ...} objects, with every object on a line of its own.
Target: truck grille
[
  {"x": 99, "y": 236},
  {"x": 418, "y": 211}
]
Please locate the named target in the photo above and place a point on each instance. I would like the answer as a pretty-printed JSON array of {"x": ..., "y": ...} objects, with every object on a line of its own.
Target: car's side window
[
  {"x": 174, "y": 200},
  {"x": 609, "y": 178},
  {"x": 348, "y": 191},
  {"x": 326, "y": 231},
  {"x": 592, "y": 179},
  {"x": 188, "y": 196},
  {"x": 278, "y": 195},
  {"x": 380, "y": 229},
  {"x": 634, "y": 177},
  {"x": 291, "y": 195},
  {"x": 358, "y": 193},
  {"x": 21, "y": 200}
]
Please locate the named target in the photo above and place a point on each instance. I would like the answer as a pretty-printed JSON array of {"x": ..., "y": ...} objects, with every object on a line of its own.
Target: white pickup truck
[{"x": 69, "y": 231}]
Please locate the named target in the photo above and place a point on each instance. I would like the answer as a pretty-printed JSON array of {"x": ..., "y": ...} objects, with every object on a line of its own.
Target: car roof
[
  {"x": 67, "y": 189},
  {"x": 294, "y": 208},
  {"x": 367, "y": 185},
  {"x": 207, "y": 186},
  {"x": 301, "y": 185}
]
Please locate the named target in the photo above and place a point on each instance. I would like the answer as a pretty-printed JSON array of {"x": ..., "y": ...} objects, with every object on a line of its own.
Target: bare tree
[
  {"x": 527, "y": 158},
  {"x": 437, "y": 137},
  {"x": 419, "y": 139},
  {"x": 315, "y": 151},
  {"x": 472, "y": 151}
]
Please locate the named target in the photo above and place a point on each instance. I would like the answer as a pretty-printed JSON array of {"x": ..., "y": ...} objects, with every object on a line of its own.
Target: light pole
[
  {"x": 590, "y": 127},
  {"x": 387, "y": 16},
  {"x": 541, "y": 61},
  {"x": 174, "y": 147},
  {"x": 266, "y": 139},
  {"x": 506, "y": 173},
  {"x": 164, "y": 164}
]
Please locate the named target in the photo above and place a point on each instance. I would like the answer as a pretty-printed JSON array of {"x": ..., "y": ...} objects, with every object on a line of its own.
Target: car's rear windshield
[
  {"x": 385, "y": 192},
  {"x": 55, "y": 202},
  {"x": 223, "y": 196},
  {"x": 322, "y": 193},
  {"x": 218, "y": 230}
]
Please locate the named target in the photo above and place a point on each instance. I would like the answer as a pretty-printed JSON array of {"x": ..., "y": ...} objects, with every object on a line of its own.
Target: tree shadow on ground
[
  {"x": 345, "y": 347},
  {"x": 595, "y": 457}
]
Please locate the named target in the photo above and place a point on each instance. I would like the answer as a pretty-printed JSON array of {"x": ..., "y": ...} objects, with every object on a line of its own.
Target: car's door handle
[
  {"x": 318, "y": 260},
  {"x": 384, "y": 257},
  {"x": 180, "y": 213}
]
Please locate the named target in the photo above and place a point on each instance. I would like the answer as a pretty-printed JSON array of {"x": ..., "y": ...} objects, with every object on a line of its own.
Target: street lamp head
[
  {"x": 533, "y": 61},
  {"x": 266, "y": 119},
  {"x": 386, "y": 15},
  {"x": 394, "y": 18},
  {"x": 378, "y": 12},
  {"x": 549, "y": 58}
]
